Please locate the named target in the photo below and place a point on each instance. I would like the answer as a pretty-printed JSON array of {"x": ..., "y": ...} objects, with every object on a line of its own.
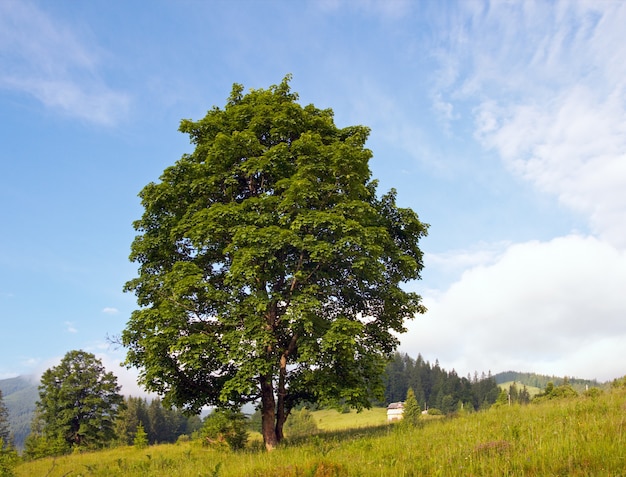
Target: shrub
[
  {"x": 225, "y": 427},
  {"x": 593, "y": 393},
  {"x": 8, "y": 459},
  {"x": 38, "y": 446},
  {"x": 300, "y": 423}
]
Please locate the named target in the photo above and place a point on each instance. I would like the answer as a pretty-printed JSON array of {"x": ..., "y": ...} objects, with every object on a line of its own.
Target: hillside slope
[
  {"x": 20, "y": 395},
  {"x": 541, "y": 380}
]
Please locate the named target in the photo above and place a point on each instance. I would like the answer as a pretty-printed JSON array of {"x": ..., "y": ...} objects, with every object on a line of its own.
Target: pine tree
[
  {"x": 412, "y": 411},
  {"x": 141, "y": 438},
  {"x": 79, "y": 401},
  {"x": 5, "y": 430}
]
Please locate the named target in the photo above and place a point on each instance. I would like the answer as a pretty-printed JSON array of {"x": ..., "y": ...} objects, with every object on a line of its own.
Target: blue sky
[{"x": 503, "y": 124}]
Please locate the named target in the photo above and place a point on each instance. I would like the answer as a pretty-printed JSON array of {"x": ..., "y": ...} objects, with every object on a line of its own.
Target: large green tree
[
  {"x": 78, "y": 401},
  {"x": 269, "y": 269}
]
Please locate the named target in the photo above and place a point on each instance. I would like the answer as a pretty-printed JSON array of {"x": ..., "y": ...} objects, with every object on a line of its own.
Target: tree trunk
[
  {"x": 281, "y": 414},
  {"x": 268, "y": 413}
]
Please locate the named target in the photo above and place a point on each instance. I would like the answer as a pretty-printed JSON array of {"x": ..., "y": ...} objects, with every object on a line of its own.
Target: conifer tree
[
  {"x": 412, "y": 411},
  {"x": 141, "y": 438},
  {"x": 5, "y": 430},
  {"x": 79, "y": 401}
]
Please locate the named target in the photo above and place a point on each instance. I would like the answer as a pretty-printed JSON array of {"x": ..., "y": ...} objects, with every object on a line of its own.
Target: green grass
[
  {"x": 576, "y": 437},
  {"x": 331, "y": 420}
]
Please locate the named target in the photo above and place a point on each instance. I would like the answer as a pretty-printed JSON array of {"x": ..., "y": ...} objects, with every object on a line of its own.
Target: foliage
[
  {"x": 38, "y": 446},
  {"x": 141, "y": 438},
  {"x": 5, "y": 430},
  {"x": 412, "y": 412},
  {"x": 8, "y": 459},
  {"x": 556, "y": 392},
  {"x": 78, "y": 401},
  {"x": 225, "y": 426},
  {"x": 160, "y": 424},
  {"x": 300, "y": 423},
  {"x": 619, "y": 383},
  {"x": 254, "y": 421},
  {"x": 574, "y": 437},
  {"x": 268, "y": 267},
  {"x": 435, "y": 387},
  {"x": 518, "y": 397},
  {"x": 503, "y": 398}
]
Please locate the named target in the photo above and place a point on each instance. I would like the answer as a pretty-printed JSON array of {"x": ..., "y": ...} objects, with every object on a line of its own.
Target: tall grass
[{"x": 576, "y": 437}]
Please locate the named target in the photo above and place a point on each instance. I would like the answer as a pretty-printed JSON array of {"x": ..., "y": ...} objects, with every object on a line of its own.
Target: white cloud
[
  {"x": 109, "y": 310},
  {"x": 574, "y": 148},
  {"x": 70, "y": 327},
  {"x": 48, "y": 61},
  {"x": 126, "y": 378},
  {"x": 546, "y": 90},
  {"x": 553, "y": 307},
  {"x": 549, "y": 93}
]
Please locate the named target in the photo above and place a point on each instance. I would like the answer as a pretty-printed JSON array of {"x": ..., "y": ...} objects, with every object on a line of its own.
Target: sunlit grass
[
  {"x": 332, "y": 420},
  {"x": 575, "y": 437}
]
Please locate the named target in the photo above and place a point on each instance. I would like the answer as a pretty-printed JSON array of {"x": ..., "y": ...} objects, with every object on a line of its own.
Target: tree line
[
  {"x": 434, "y": 387},
  {"x": 80, "y": 406},
  {"x": 161, "y": 424}
]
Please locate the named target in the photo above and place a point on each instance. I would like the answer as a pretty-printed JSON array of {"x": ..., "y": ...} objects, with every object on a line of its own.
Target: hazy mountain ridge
[{"x": 20, "y": 395}]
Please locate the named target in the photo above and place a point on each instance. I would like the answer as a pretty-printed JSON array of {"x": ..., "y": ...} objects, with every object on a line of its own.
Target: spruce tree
[
  {"x": 79, "y": 401},
  {"x": 5, "y": 430},
  {"x": 412, "y": 411}
]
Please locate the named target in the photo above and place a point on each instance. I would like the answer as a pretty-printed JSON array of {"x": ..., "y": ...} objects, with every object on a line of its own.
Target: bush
[
  {"x": 38, "y": 446},
  {"x": 593, "y": 393},
  {"x": 225, "y": 427},
  {"x": 8, "y": 460},
  {"x": 433, "y": 411},
  {"x": 300, "y": 423},
  {"x": 556, "y": 392}
]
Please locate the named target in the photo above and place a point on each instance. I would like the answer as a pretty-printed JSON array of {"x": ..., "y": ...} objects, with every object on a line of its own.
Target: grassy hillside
[
  {"x": 534, "y": 380},
  {"x": 575, "y": 437}
]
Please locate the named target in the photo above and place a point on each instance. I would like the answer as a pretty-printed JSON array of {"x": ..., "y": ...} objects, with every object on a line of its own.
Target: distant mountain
[
  {"x": 540, "y": 381},
  {"x": 20, "y": 395}
]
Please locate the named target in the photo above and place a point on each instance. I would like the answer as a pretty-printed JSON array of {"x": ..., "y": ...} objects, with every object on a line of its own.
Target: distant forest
[
  {"x": 541, "y": 381},
  {"x": 435, "y": 387}
]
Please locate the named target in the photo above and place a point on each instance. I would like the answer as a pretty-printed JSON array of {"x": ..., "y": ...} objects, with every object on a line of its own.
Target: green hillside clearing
[{"x": 576, "y": 437}]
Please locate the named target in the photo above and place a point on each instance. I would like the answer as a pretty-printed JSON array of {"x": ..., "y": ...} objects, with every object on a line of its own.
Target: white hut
[{"x": 395, "y": 411}]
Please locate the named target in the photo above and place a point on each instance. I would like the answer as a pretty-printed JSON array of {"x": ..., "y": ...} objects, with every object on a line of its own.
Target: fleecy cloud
[
  {"x": 555, "y": 307},
  {"x": 46, "y": 60}
]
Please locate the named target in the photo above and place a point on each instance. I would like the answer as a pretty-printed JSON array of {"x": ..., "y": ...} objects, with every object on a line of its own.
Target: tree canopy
[
  {"x": 78, "y": 402},
  {"x": 269, "y": 269}
]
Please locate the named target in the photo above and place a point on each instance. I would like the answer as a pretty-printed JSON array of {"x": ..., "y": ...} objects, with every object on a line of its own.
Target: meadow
[{"x": 583, "y": 436}]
